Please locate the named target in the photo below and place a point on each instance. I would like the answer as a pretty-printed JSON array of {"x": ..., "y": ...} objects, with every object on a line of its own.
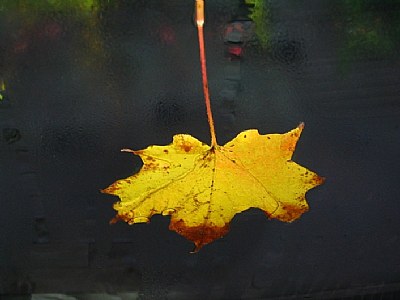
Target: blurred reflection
[
  {"x": 169, "y": 112},
  {"x": 33, "y": 24},
  {"x": 2, "y": 89},
  {"x": 260, "y": 14},
  {"x": 370, "y": 28}
]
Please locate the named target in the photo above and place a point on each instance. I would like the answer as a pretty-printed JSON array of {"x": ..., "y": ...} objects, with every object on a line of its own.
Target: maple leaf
[{"x": 203, "y": 187}]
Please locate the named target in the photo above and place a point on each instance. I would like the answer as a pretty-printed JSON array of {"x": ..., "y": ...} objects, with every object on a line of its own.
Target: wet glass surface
[{"x": 79, "y": 80}]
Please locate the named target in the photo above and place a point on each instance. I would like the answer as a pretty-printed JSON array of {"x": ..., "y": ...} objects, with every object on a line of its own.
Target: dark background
[{"x": 86, "y": 78}]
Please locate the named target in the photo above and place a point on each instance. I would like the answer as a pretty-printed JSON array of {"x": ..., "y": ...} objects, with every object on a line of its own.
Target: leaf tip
[
  {"x": 114, "y": 220},
  {"x": 196, "y": 249},
  {"x": 200, "y": 235},
  {"x": 318, "y": 180},
  {"x": 111, "y": 190}
]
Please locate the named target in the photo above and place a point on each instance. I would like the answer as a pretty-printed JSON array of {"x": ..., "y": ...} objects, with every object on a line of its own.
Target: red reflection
[{"x": 167, "y": 35}]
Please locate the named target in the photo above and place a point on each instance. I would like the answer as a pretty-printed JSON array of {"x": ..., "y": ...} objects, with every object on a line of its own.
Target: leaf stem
[{"x": 200, "y": 25}]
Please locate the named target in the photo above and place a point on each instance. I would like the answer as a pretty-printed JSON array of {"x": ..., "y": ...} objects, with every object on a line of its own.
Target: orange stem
[{"x": 200, "y": 24}]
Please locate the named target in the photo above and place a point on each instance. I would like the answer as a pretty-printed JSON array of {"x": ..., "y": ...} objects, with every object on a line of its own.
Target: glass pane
[{"x": 80, "y": 80}]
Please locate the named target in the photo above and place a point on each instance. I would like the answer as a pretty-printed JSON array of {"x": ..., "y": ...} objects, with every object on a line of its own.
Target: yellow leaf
[{"x": 203, "y": 187}]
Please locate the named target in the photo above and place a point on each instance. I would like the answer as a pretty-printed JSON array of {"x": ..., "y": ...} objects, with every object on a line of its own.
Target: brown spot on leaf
[
  {"x": 317, "y": 180},
  {"x": 126, "y": 217},
  {"x": 150, "y": 166},
  {"x": 288, "y": 213},
  {"x": 292, "y": 212},
  {"x": 186, "y": 147},
  {"x": 209, "y": 158}
]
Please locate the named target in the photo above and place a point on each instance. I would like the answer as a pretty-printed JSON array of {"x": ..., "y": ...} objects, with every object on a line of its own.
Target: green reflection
[
  {"x": 260, "y": 14},
  {"x": 370, "y": 28},
  {"x": 47, "y": 5},
  {"x": 2, "y": 90}
]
